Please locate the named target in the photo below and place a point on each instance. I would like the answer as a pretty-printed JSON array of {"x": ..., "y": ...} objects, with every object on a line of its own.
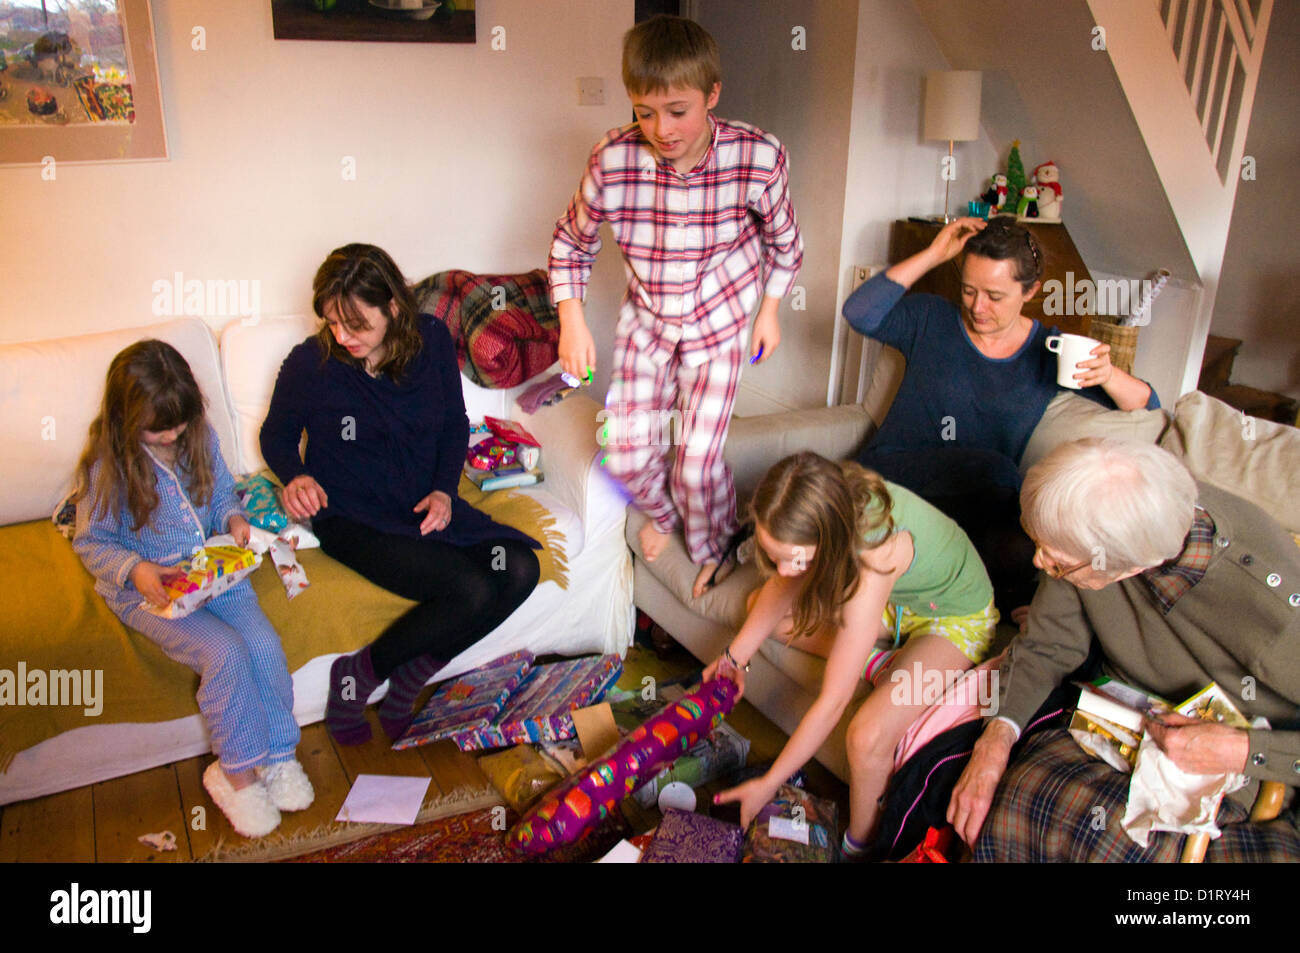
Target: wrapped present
[
  {"x": 540, "y": 710},
  {"x": 721, "y": 753},
  {"x": 468, "y": 702},
  {"x": 201, "y": 578},
  {"x": 684, "y": 837},
  {"x": 794, "y": 828},
  {"x": 586, "y": 798},
  {"x": 261, "y": 502}
]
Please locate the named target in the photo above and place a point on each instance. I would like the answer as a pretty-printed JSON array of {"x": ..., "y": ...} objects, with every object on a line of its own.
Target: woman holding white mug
[{"x": 978, "y": 379}]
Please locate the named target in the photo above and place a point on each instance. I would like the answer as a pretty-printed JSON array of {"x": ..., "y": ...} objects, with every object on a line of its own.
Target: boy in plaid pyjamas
[{"x": 700, "y": 209}]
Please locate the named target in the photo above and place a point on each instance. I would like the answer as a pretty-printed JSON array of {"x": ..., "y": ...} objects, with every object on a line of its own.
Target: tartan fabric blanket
[
  {"x": 1058, "y": 804},
  {"x": 504, "y": 326}
]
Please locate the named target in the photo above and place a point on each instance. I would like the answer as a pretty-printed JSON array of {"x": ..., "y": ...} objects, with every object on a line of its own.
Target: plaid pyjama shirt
[{"x": 699, "y": 249}]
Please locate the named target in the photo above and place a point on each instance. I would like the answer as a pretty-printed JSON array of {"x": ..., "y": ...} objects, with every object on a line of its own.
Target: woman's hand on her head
[
  {"x": 952, "y": 238},
  {"x": 304, "y": 498},
  {"x": 438, "y": 505}
]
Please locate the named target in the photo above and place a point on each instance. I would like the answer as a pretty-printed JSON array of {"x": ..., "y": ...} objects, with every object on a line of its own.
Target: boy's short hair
[{"x": 665, "y": 52}]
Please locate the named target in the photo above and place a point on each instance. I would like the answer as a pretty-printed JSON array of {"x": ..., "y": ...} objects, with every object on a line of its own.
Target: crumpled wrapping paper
[{"x": 1164, "y": 797}]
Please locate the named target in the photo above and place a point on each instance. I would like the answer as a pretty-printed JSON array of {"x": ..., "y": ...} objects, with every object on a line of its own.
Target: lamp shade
[{"x": 952, "y": 105}]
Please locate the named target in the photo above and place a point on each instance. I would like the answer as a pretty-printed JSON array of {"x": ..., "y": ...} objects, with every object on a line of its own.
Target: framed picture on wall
[
  {"x": 382, "y": 21},
  {"x": 79, "y": 82}
]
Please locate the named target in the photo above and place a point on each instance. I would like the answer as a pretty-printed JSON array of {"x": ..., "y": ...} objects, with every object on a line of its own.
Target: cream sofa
[
  {"x": 51, "y": 391},
  {"x": 1208, "y": 435}
]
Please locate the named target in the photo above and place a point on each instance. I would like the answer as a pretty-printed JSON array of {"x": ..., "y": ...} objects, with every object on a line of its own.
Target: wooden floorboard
[
  {"x": 58, "y": 828},
  {"x": 103, "y": 821},
  {"x": 148, "y": 802}
]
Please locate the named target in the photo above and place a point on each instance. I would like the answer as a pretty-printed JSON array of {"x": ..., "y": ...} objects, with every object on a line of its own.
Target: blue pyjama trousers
[{"x": 245, "y": 690}]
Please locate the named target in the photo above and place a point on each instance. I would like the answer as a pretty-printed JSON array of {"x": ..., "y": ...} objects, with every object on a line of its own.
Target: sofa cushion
[
  {"x": 52, "y": 392},
  {"x": 1071, "y": 417},
  {"x": 1256, "y": 459}
]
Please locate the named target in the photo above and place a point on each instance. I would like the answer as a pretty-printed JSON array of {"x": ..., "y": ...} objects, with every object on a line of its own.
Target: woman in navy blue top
[
  {"x": 978, "y": 379},
  {"x": 378, "y": 391}
]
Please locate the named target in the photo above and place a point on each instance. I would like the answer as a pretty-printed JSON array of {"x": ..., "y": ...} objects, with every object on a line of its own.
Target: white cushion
[
  {"x": 52, "y": 391},
  {"x": 251, "y": 355}
]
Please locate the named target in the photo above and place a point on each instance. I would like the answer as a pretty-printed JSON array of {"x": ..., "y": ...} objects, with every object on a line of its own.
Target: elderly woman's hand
[
  {"x": 439, "y": 506},
  {"x": 1201, "y": 747},
  {"x": 303, "y": 498}
]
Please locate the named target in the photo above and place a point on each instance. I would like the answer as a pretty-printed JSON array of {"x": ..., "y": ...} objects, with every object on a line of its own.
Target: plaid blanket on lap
[
  {"x": 504, "y": 326},
  {"x": 1046, "y": 809}
]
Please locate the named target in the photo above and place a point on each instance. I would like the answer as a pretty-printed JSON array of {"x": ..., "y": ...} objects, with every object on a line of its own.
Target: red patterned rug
[{"x": 475, "y": 838}]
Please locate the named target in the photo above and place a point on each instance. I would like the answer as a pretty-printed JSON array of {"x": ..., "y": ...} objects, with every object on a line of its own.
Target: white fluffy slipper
[
  {"x": 249, "y": 809},
  {"x": 288, "y": 784}
]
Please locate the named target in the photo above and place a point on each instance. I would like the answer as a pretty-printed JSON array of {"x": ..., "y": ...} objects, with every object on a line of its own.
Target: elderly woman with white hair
[{"x": 1180, "y": 584}]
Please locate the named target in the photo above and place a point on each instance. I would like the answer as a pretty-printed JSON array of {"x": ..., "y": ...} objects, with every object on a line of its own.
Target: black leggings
[{"x": 464, "y": 592}]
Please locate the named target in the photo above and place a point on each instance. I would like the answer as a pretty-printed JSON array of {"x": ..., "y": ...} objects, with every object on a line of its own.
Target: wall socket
[{"x": 591, "y": 91}]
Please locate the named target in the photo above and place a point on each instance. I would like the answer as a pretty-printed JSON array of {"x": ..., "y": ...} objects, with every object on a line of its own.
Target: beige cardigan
[{"x": 1239, "y": 627}]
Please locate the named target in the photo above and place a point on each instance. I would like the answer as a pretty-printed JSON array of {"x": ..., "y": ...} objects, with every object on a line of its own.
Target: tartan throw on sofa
[
  {"x": 1058, "y": 804},
  {"x": 505, "y": 328}
]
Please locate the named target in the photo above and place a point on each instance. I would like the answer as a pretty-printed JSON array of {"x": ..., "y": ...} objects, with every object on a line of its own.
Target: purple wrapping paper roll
[{"x": 589, "y": 796}]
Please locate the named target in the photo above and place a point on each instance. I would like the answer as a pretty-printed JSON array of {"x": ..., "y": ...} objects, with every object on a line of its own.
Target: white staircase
[{"x": 1189, "y": 70}]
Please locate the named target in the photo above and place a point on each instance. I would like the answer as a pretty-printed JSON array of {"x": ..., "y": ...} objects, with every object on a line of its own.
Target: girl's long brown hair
[
  {"x": 842, "y": 509},
  {"x": 149, "y": 387},
  {"x": 366, "y": 273}
]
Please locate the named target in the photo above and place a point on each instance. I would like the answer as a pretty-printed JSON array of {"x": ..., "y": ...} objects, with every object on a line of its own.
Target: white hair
[{"x": 1125, "y": 504}]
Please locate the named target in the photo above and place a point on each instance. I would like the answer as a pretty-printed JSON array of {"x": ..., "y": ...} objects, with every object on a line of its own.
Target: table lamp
[{"x": 952, "y": 112}]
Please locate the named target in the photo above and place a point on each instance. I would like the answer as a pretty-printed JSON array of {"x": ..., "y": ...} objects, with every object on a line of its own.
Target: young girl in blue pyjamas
[{"x": 151, "y": 487}]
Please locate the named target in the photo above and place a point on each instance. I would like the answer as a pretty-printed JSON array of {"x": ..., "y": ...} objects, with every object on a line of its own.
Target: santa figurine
[
  {"x": 996, "y": 196},
  {"x": 1048, "y": 179}
]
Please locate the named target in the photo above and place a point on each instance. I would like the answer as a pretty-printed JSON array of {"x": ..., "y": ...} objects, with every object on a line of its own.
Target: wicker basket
[{"x": 1123, "y": 340}]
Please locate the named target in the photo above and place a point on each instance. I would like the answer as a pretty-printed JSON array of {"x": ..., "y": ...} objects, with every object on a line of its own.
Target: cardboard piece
[{"x": 596, "y": 729}]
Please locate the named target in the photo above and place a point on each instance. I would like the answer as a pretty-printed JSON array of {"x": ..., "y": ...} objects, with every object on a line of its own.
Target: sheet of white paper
[
  {"x": 623, "y": 853},
  {"x": 384, "y": 799},
  {"x": 788, "y": 829}
]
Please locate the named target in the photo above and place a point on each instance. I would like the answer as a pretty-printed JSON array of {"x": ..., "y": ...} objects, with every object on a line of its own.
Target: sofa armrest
[
  {"x": 571, "y": 461},
  {"x": 755, "y": 443}
]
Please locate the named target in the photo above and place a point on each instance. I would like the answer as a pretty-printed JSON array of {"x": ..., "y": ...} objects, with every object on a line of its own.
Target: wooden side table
[{"x": 1061, "y": 257}]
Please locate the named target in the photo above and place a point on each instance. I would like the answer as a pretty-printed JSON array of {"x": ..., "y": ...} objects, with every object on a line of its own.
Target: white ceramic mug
[{"x": 1070, "y": 349}]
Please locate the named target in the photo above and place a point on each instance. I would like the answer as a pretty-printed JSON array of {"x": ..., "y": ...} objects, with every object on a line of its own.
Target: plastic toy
[{"x": 589, "y": 796}]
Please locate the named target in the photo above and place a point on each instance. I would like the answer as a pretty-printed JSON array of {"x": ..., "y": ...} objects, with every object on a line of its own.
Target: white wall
[
  {"x": 465, "y": 157},
  {"x": 801, "y": 96},
  {"x": 1259, "y": 290},
  {"x": 893, "y": 172}
]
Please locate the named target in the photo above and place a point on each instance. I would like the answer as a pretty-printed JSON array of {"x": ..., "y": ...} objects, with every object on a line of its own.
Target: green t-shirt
[{"x": 946, "y": 577}]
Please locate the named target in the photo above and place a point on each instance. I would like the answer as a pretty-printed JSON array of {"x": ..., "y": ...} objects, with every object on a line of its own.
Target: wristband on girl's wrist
[{"x": 726, "y": 653}]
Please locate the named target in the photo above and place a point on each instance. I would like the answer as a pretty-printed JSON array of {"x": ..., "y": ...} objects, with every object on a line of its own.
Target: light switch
[{"x": 591, "y": 91}]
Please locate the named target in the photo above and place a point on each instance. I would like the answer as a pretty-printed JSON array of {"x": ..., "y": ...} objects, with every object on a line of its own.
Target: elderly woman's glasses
[{"x": 1056, "y": 572}]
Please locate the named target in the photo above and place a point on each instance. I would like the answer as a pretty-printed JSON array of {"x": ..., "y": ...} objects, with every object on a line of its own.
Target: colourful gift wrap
[
  {"x": 468, "y": 702},
  {"x": 258, "y": 497},
  {"x": 204, "y": 576},
  {"x": 540, "y": 709},
  {"x": 592, "y": 794}
]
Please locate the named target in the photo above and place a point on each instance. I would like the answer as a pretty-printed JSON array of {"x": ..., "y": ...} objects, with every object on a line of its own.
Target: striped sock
[
  {"x": 404, "y": 685},
  {"x": 345, "y": 708},
  {"x": 876, "y": 662},
  {"x": 851, "y": 848}
]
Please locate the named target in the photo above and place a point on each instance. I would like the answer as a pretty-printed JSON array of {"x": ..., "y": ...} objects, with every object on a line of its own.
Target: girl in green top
[{"x": 850, "y": 561}]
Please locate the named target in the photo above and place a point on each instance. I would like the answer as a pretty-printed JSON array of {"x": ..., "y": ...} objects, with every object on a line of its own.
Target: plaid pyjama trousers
[{"x": 656, "y": 402}]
